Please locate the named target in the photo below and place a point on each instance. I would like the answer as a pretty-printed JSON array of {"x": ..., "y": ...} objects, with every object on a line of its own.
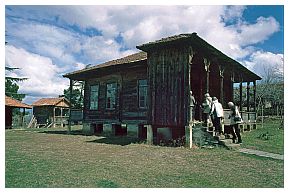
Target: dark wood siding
[
  {"x": 43, "y": 113},
  {"x": 168, "y": 91},
  {"x": 126, "y": 100}
]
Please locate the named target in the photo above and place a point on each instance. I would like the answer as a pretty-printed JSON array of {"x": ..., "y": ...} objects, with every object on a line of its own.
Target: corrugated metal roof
[
  {"x": 48, "y": 101},
  {"x": 15, "y": 103},
  {"x": 125, "y": 60}
]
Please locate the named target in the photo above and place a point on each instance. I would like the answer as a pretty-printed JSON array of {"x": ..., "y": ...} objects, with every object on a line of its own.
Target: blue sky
[{"x": 49, "y": 41}]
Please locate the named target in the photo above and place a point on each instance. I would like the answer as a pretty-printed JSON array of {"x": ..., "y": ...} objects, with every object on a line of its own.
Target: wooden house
[
  {"x": 152, "y": 88},
  {"x": 49, "y": 112},
  {"x": 10, "y": 104}
]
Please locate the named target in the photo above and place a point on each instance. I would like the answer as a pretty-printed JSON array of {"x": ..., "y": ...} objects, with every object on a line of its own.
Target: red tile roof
[
  {"x": 15, "y": 103},
  {"x": 48, "y": 101}
]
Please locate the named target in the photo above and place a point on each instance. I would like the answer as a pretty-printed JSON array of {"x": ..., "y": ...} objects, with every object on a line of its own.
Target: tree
[
  {"x": 11, "y": 87},
  {"x": 270, "y": 92},
  {"x": 77, "y": 95}
]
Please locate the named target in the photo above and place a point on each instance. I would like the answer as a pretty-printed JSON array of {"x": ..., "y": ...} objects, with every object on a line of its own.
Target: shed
[
  {"x": 151, "y": 88},
  {"x": 51, "y": 112},
  {"x": 11, "y": 103}
]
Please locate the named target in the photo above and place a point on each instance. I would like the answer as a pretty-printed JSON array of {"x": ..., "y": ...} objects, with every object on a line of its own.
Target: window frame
[
  {"x": 97, "y": 99},
  {"x": 138, "y": 94},
  {"x": 115, "y": 95}
]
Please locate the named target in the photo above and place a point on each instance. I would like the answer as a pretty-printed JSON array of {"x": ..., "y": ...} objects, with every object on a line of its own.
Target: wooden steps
[{"x": 228, "y": 143}]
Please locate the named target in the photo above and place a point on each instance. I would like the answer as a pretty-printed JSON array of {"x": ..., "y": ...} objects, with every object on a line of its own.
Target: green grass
[
  {"x": 50, "y": 158},
  {"x": 269, "y": 138}
]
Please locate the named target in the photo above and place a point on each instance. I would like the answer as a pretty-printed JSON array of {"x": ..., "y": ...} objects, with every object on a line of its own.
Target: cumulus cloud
[
  {"x": 57, "y": 34},
  {"x": 42, "y": 74},
  {"x": 257, "y": 32},
  {"x": 140, "y": 24},
  {"x": 263, "y": 62},
  {"x": 233, "y": 13}
]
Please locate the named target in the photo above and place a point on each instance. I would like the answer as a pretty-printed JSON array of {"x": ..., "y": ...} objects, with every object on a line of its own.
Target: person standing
[
  {"x": 206, "y": 106},
  {"x": 236, "y": 119},
  {"x": 192, "y": 107},
  {"x": 217, "y": 114}
]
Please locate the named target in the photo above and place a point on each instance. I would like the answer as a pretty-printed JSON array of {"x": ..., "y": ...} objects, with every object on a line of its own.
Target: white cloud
[
  {"x": 140, "y": 24},
  {"x": 43, "y": 76},
  {"x": 262, "y": 62},
  {"x": 257, "y": 32},
  {"x": 56, "y": 33},
  {"x": 233, "y": 12}
]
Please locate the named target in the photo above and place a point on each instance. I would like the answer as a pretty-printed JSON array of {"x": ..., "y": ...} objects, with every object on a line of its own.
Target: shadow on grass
[
  {"x": 63, "y": 132},
  {"x": 117, "y": 140}
]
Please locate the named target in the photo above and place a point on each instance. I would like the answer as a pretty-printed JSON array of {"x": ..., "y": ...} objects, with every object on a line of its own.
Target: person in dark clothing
[{"x": 236, "y": 119}]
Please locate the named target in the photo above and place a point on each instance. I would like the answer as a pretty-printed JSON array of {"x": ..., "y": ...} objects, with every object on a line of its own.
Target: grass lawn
[
  {"x": 269, "y": 138},
  {"x": 54, "y": 159}
]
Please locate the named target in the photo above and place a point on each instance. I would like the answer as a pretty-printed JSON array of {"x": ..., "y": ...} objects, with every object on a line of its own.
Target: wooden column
[
  {"x": 149, "y": 134},
  {"x": 241, "y": 94},
  {"x": 221, "y": 71},
  {"x": 232, "y": 85},
  {"x": 189, "y": 135},
  {"x": 248, "y": 96},
  {"x": 189, "y": 109},
  {"x": 23, "y": 116},
  {"x": 53, "y": 119},
  {"x": 207, "y": 68},
  {"x": 254, "y": 95},
  {"x": 61, "y": 116},
  {"x": 70, "y": 97}
]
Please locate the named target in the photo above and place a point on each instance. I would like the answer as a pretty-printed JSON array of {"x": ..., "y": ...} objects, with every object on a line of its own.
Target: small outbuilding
[
  {"x": 49, "y": 112},
  {"x": 10, "y": 104}
]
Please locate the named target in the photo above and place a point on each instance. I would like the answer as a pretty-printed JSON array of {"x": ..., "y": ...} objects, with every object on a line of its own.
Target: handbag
[{"x": 237, "y": 119}]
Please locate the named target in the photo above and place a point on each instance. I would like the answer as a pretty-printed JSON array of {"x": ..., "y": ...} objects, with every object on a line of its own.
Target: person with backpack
[{"x": 236, "y": 119}]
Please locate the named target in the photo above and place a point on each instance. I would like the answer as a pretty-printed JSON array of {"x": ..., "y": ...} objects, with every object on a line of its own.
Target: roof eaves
[{"x": 105, "y": 65}]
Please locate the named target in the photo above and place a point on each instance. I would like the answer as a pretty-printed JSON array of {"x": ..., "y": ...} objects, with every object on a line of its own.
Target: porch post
[
  {"x": 207, "y": 68},
  {"x": 254, "y": 96},
  {"x": 189, "y": 135},
  {"x": 23, "y": 116},
  {"x": 70, "y": 97},
  {"x": 53, "y": 117},
  {"x": 221, "y": 70},
  {"x": 61, "y": 116},
  {"x": 232, "y": 85},
  {"x": 241, "y": 100},
  {"x": 248, "y": 96},
  {"x": 149, "y": 134}
]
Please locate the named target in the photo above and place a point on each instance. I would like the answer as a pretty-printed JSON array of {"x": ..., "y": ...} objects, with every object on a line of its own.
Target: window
[
  {"x": 142, "y": 93},
  {"x": 111, "y": 95},
  {"x": 94, "y": 97}
]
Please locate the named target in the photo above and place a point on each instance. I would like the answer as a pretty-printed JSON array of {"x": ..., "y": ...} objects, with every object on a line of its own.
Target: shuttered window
[
  {"x": 111, "y": 95},
  {"x": 142, "y": 93},
  {"x": 94, "y": 89}
]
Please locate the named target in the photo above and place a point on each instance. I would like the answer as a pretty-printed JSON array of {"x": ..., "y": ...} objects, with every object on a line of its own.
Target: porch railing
[{"x": 249, "y": 119}]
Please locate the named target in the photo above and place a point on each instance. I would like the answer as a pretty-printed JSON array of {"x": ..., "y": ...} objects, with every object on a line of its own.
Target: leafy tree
[
  {"x": 270, "y": 90},
  {"x": 11, "y": 90},
  {"x": 11, "y": 87},
  {"x": 77, "y": 95}
]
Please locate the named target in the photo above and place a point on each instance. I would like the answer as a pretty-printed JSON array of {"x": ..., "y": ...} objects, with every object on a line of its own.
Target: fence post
[
  {"x": 70, "y": 97},
  {"x": 262, "y": 114}
]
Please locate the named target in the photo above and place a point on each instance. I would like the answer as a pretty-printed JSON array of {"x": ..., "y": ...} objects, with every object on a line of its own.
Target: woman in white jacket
[
  {"x": 217, "y": 114},
  {"x": 236, "y": 119}
]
